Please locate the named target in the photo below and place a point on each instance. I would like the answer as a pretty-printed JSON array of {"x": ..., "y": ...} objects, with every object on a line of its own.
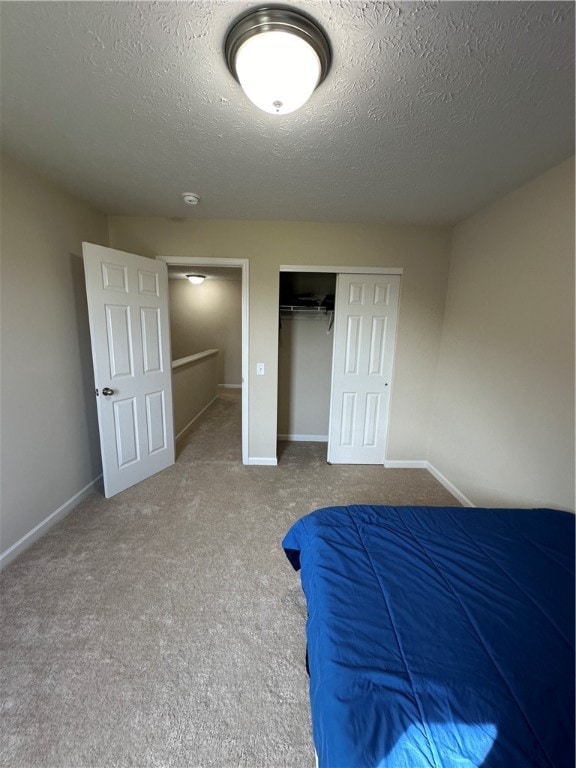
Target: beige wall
[
  {"x": 423, "y": 252},
  {"x": 209, "y": 316},
  {"x": 503, "y": 429},
  {"x": 304, "y": 375},
  {"x": 49, "y": 436}
]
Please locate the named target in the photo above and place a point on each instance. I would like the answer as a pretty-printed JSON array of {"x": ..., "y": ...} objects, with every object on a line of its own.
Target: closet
[
  {"x": 335, "y": 360},
  {"x": 306, "y": 317}
]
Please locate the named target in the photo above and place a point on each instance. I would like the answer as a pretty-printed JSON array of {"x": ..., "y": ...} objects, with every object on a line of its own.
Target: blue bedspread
[{"x": 439, "y": 637}]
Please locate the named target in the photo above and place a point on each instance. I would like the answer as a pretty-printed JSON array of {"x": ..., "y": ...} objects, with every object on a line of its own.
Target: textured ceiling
[{"x": 429, "y": 112}]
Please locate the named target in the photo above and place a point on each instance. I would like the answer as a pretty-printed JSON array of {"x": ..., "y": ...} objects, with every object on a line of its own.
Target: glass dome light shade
[
  {"x": 277, "y": 70},
  {"x": 278, "y": 55},
  {"x": 196, "y": 279}
]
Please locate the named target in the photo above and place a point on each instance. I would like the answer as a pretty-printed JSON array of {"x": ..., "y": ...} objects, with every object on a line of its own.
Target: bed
[{"x": 439, "y": 637}]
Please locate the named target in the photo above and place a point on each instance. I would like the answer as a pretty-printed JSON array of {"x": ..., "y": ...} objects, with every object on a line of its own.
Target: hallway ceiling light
[
  {"x": 196, "y": 279},
  {"x": 279, "y": 57}
]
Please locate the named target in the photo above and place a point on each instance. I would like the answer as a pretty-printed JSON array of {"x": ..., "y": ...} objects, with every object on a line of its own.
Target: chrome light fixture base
[{"x": 270, "y": 19}]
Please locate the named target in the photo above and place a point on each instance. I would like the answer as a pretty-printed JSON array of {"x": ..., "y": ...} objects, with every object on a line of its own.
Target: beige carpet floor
[{"x": 164, "y": 627}]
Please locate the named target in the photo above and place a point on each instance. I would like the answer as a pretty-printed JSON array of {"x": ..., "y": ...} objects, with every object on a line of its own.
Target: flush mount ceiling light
[
  {"x": 279, "y": 56},
  {"x": 196, "y": 279}
]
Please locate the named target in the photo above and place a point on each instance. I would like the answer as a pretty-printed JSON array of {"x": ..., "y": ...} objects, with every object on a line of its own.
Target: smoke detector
[{"x": 190, "y": 198}]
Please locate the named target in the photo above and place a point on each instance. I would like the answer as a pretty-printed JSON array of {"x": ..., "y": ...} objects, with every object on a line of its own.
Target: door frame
[
  {"x": 243, "y": 264},
  {"x": 342, "y": 270},
  {"x": 348, "y": 270}
]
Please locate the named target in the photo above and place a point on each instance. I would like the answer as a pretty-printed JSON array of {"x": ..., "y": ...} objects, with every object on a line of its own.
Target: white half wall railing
[{"x": 194, "y": 387}]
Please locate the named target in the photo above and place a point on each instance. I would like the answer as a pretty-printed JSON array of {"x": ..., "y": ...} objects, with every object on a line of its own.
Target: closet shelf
[
  {"x": 295, "y": 309},
  {"x": 306, "y": 310}
]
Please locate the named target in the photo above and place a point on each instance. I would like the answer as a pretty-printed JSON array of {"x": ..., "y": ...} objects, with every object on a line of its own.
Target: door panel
[
  {"x": 371, "y": 419},
  {"x": 377, "y": 346},
  {"x": 148, "y": 283},
  {"x": 114, "y": 278},
  {"x": 356, "y": 293},
  {"x": 353, "y": 333},
  {"x": 126, "y": 431},
  {"x": 150, "y": 323},
  {"x": 348, "y": 417},
  {"x": 119, "y": 340},
  {"x": 364, "y": 335},
  {"x": 129, "y": 328},
  {"x": 156, "y": 421}
]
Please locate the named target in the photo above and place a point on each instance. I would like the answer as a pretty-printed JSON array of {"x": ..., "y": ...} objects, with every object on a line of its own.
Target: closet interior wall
[{"x": 305, "y": 355}]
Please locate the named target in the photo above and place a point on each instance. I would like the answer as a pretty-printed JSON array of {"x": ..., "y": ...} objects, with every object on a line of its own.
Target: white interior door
[
  {"x": 364, "y": 334},
  {"x": 130, "y": 333}
]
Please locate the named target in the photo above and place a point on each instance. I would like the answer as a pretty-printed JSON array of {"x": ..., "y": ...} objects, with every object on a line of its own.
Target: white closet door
[{"x": 364, "y": 335}]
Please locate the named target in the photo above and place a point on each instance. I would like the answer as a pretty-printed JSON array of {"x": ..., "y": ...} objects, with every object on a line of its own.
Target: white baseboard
[
  {"x": 187, "y": 427},
  {"x": 230, "y": 386},
  {"x": 423, "y": 464},
  {"x": 449, "y": 486},
  {"x": 401, "y": 464},
  {"x": 304, "y": 438},
  {"x": 255, "y": 461},
  {"x": 39, "y": 530}
]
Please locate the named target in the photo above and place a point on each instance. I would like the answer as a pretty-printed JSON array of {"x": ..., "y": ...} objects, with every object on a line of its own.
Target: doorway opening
[
  {"x": 209, "y": 327},
  {"x": 305, "y": 343}
]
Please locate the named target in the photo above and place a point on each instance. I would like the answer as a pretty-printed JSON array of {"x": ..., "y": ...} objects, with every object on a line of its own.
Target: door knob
[{"x": 107, "y": 391}]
